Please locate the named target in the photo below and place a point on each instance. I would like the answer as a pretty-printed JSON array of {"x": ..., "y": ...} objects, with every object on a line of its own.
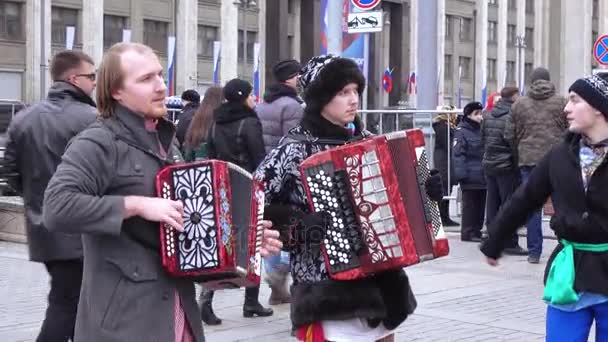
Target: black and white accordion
[
  {"x": 223, "y": 211},
  {"x": 374, "y": 191}
]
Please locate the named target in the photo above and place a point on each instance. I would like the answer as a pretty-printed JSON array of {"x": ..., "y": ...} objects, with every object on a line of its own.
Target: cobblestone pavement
[{"x": 460, "y": 298}]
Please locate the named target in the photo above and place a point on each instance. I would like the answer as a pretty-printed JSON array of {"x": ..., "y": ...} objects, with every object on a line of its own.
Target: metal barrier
[{"x": 380, "y": 121}]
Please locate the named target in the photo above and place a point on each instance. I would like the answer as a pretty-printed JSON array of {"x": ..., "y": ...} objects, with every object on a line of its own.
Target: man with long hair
[{"x": 104, "y": 188}]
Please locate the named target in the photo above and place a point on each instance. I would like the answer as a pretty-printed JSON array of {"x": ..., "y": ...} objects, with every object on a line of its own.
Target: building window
[
  {"x": 529, "y": 37},
  {"x": 596, "y": 8},
  {"x": 60, "y": 19},
  {"x": 466, "y": 29},
  {"x": 492, "y": 31},
  {"x": 530, "y": 6},
  {"x": 493, "y": 2},
  {"x": 112, "y": 29},
  {"x": 11, "y": 20},
  {"x": 491, "y": 69},
  {"x": 447, "y": 67},
  {"x": 290, "y": 7},
  {"x": 511, "y": 34},
  {"x": 512, "y": 5},
  {"x": 449, "y": 31},
  {"x": 155, "y": 35},
  {"x": 510, "y": 72},
  {"x": 251, "y": 39},
  {"x": 464, "y": 66},
  {"x": 206, "y": 36},
  {"x": 528, "y": 71}
]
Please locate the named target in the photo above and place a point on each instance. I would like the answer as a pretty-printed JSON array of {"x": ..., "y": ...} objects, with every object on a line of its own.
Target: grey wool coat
[{"x": 126, "y": 294}]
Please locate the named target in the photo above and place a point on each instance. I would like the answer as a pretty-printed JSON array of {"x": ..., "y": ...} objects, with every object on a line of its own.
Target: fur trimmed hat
[{"x": 324, "y": 76}]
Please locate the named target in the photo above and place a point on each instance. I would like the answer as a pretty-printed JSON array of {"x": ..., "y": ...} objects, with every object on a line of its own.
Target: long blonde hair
[
  {"x": 450, "y": 118},
  {"x": 110, "y": 76}
]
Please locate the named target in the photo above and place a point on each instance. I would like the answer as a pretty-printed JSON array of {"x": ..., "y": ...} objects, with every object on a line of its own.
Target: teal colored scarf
[{"x": 559, "y": 288}]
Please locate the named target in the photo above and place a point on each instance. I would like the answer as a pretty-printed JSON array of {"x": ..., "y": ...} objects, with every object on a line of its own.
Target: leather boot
[
  {"x": 252, "y": 305},
  {"x": 444, "y": 210},
  {"x": 207, "y": 314},
  {"x": 277, "y": 281}
]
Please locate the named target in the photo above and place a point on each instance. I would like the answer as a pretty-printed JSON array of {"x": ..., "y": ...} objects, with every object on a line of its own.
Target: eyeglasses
[{"x": 90, "y": 76}]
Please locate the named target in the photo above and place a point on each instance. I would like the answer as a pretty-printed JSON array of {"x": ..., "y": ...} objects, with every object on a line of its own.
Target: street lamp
[
  {"x": 244, "y": 5},
  {"x": 520, "y": 44}
]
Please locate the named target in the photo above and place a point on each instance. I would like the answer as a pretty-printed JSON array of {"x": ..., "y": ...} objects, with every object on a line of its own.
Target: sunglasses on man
[{"x": 90, "y": 76}]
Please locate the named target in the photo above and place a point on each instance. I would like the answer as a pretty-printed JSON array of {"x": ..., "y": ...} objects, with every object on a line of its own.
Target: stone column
[
  {"x": 186, "y": 46},
  {"x": 603, "y": 21},
  {"x": 33, "y": 50},
  {"x": 262, "y": 41},
  {"x": 576, "y": 18},
  {"x": 501, "y": 56},
  {"x": 297, "y": 22},
  {"x": 230, "y": 40},
  {"x": 92, "y": 29},
  {"x": 440, "y": 50},
  {"x": 137, "y": 21},
  {"x": 413, "y": 46},
  {"x": 541, "y": 33},
  {"x": 520, "y": 31},
  {"x": 481, "y": 48}
]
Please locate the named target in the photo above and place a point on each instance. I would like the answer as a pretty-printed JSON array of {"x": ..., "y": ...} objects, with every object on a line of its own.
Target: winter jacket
[
  {"x": 498, "y": 155},
  {"x": 537, "y": 122},
  {"x": 386, "y": 297},
  {"x": 236, "y": 136},
  {"x": 580, "y": 216},
  {"x": 467, "y": 155},
  {"x": 185, "y": 118},
  {"x": 37, "y": 138},
  {"x": 281, "y": 111},
  {"x": 126, "y": 293}
]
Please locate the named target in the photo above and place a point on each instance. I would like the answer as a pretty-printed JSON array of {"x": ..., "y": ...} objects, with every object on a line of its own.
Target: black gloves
[
  {"x": 296, "y": 227},
  {"x": 434, "y": 189}
]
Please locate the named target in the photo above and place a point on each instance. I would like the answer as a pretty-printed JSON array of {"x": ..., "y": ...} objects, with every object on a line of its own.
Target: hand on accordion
[
  {"x": 296, "y": 227},
  {"x": 433, "y": 186},
  {"x": 271, "y": 245},
  {"x": 156, "y": 210}
]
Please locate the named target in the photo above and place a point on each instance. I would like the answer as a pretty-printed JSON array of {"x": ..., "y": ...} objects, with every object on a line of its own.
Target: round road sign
[{"x": 365, "y": 4}]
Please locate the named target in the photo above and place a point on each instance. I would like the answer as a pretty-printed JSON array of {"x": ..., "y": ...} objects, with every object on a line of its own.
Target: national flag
[
  {"x": 412, "y": 88},
  {"x": 387, "y": 80}
]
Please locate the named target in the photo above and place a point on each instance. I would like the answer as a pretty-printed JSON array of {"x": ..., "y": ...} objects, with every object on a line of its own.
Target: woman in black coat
[
  {"x": 468, "y": 171},
  {"x": 441, "y": 124},
  {"x": 236, "y": 137}
]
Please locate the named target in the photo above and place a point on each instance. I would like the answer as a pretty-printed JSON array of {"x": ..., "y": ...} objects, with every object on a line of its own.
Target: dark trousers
[
  {"x": 60, "y": 319},
  {"x": 500, "y": 188},
  {"x": 473, "y": 212}
]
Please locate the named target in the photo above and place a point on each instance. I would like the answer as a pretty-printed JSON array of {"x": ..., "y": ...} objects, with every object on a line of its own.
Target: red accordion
[
  {"x": 223, "y": 211},
  {"x": 381, "y": 216}
]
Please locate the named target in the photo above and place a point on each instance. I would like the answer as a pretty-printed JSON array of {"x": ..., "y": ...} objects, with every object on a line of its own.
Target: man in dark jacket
[
  {"x": 467, "y": 157},
  {"x": 537, "y": 122},
  {"x": 191, "y": 100},
  {"x": 37, "y": 138},
  {"x": 105, "y": 189},
  {"x": 282, "y": 107},
  {"x": 575, "y": 174},
  {"x": 500, "y": 167}
]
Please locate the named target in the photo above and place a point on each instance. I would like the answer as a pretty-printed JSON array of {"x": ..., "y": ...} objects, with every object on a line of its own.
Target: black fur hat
[{"x": 324, "y": 76}]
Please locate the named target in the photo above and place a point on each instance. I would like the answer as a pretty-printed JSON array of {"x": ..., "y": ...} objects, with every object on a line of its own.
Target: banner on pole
[
  {"x": 171, "y": 63},
  {"x": 70, "y": 32},
  {"x": 217, "y": 47},
  {"x": 126, "y": 36}
]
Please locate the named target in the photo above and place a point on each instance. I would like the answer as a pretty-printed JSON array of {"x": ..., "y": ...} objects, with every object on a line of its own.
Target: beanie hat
[
  {"x": 324, "y": 76},
  {"x": 284, "y": 70},
  {"x": 594, "y": 90},
  {"x": 540, "y": 74},
  {"x": 237, "y": 90},
  {"x": 471, "y": 107},
  {"x": 191, "y": 95}
]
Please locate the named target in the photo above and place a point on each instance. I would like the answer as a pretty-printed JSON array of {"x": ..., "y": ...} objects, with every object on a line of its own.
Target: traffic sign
[
  {"x": 600, "y": 50},
  {"x": 363, "y": 22},
  {"x": 365, "y": 5}
]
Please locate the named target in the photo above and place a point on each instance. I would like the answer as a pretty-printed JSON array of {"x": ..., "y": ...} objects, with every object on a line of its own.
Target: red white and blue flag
[
  {"x": 387, "y": 80},
  {"x": 412, "y": 88}
]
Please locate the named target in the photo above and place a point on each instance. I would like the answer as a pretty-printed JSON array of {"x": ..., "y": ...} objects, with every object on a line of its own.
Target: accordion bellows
[
  {"x": 381, "y": 217},
  {"x": 222, "y": 237}
]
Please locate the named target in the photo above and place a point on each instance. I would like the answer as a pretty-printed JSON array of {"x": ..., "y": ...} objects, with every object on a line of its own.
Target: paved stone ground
[{"x": 460, "y": 298}]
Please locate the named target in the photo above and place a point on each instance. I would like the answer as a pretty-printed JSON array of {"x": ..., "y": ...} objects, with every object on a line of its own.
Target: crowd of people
[{"x": 86, "y": 170}]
